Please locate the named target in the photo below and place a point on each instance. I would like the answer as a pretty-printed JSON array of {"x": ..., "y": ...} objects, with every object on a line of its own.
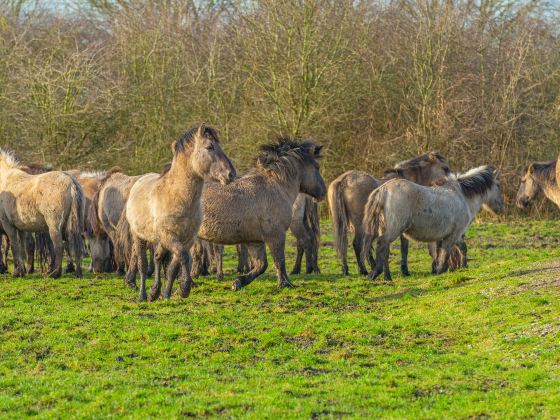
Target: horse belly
[
  {"x": 428, "y": 228},
  {"x": 26, "y": 217}
]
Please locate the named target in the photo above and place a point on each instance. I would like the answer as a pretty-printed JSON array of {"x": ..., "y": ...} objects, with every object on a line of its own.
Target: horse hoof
[
  {"x": 287, "y": 284},
  {"x": 130, "y": 284},
  {"x": 374, "y": 274},
  {"x": 152, "y": 297},
  {"x": 237, "y": 285},
  {"x": 142, "y": 298},
  {"x": 185, "y": 291},
  {"x": 70, "y": 269},
  {"x": 363, "y": 272},
  {"x": 405, "y": 272},
  {"x": 55, "y": 275}
]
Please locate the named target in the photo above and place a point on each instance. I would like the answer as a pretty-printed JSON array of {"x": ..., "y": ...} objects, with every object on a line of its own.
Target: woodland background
[{"x": 93, "y": 84}]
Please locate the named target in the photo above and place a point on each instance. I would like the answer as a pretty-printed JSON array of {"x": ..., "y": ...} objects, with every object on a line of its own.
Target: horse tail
[
  {"x": 45, "y": 250},
  {"x": 123, "y": 240},
  {"x": 75, "y": 224},
  {"x": 374, "y": 219},
  {"x": 339, "y": 214}
]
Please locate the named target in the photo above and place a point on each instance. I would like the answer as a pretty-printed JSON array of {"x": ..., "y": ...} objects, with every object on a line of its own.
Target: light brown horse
[
  {"x": 539, "y": 177},
  {"x": 99, "y": 245},
  {"x": 440, "y": 213},
  {"x": 348, "y": 194},
  {"x": 53, "y": 202},
  {"x": 257, "y": 208},
  {"x": 304, "y": 226},
  {"x": 165, "y": 210}
]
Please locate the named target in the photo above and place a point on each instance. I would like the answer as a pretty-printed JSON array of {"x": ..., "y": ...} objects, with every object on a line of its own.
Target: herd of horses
[{"x": 175, "y": 224}]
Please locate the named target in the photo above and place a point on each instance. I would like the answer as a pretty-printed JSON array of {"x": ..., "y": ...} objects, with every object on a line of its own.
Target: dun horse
[
  {"x": 428, "y": 214},
  {"x": 165, "y": 210},
  {"x": 539, "y": 178},
  {"x": 304, "y": 226},
  {"x": 52, "y": 201},
  {"x": 349, "y": 193},
  {"x": 256, "y": 209},
  {"x": 100, "y": 246}
]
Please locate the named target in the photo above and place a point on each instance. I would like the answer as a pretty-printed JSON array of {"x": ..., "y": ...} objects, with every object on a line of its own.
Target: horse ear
[
  {"x": 201, "y": 130},
  {"x": 433, "y": 156},
  {"x": 496, "y": 174},
  {"x": 174, "y": 147},
  {"x": 317, "y": 150},
  {"x": 531, "y": 169}
]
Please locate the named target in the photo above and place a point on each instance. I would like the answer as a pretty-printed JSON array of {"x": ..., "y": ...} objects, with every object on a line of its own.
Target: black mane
[
  {"x": 477, "y": 181},
  {"x": 282, "y": 156}
]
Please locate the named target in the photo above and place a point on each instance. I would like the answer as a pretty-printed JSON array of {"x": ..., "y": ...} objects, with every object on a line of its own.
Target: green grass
[{"x": 479, "y": 342}]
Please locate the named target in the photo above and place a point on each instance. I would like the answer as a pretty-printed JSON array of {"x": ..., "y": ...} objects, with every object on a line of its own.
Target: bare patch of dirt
[{"x": 543, "y": 275}]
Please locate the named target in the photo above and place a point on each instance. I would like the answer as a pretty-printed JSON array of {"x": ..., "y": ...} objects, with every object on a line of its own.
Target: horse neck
[
  {"x": 552, "y": 192},
  {"x": 474, "y": 204},
  {"x": 182, "y": 181},
  {"x": 289, "y": 188}
]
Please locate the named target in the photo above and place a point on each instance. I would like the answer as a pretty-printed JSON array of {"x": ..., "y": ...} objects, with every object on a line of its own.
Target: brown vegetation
[{"x": 113, "y": 82}]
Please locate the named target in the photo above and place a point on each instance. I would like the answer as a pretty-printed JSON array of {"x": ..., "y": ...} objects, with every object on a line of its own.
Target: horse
[
  {"x": 348, "y": 195},
  {"x": 304, "y": 226},
  {"x": 256, "y": 209},
  {"x": 539, "y": 177},
  {"x": 51, "y": 201},
  {"x": 442, "y": 212},
  {"x": 165, "y": 210},
  {"x": 100, "y": 245}
]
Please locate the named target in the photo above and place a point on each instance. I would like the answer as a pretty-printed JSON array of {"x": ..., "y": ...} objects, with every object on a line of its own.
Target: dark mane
[
  {"x": 413, "y": 164},
  {"x": 280, "y": 158},
  {"x": 544, "y": 172},
  {"x": 36, "y": 168},
  {"x": 477, "y": 181},
  {"x": 188, "y": 136}
]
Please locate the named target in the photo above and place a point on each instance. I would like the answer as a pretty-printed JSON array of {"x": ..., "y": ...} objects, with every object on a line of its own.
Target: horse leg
[
  {"x": 357, "y": 244},
  {"x": 404, "y": 256},
  {"x": 299, "y": 256},
  {"x": 3, "y": 262},
  {"x": 29, "y": 242},
  {"x": 151, "y": 261},
  {"x": 139, "y": 249},
  {"x": 243, "y": 265},
  {"x": 315, "y": 257},
  {"x": 258, "y": 263},
  {"x": 69, "y": 263},
  {"x": 278, "y": 256},
  {"x": 130, "y": 276},
  {"x": 11, "y": 231},
  {"x": 218, "y": 261},
  {"x": 58, "y": 246},
  {"x": 309, "y": 258},
  {"x": 155, "y": 291},
  {"x": 434, "y": 252},
  {"x": 382, "y": 258},
  {"x": 443, "y": 255},
  {"x": 172, "y": 272}
]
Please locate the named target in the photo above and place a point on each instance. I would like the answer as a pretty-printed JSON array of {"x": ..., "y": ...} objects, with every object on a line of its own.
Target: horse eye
[{"x": 210, "y": 147}]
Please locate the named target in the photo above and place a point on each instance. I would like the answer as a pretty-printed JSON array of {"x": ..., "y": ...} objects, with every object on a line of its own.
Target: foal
[
  {"x": 165, "y": 209},
  {"x": 428, "y": 214}
]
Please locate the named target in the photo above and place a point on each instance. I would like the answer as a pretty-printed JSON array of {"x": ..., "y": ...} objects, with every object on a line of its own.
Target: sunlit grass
[{"x": 478, "y": 342}]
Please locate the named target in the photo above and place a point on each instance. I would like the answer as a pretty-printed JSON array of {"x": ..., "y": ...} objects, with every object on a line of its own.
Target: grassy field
[{"x": 479, "y": 342}]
